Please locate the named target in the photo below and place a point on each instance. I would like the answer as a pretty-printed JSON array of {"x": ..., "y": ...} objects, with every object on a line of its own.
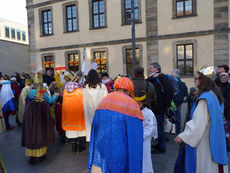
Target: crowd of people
[{"x": 117, "y": 119}]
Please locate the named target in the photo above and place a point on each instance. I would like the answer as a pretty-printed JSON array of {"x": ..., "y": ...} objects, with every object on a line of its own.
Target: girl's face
[{"x": 196, "y": 80}]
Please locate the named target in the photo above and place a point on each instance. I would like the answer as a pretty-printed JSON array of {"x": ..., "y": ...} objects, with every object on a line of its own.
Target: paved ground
[{"x": 61, "y": 160}]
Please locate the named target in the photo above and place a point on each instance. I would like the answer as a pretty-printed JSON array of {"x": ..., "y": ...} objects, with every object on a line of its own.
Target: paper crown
[
  {"x": 38, "y": 78},
  {"x": 28, "y": 81}
]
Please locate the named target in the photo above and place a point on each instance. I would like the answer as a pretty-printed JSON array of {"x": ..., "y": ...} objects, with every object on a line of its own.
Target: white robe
[
  {"x": 91, "y": 99},
  {"x": 196, "y": 134},
  {"x": 150, "y": 130},
  {"x": 21, "y": 105}
]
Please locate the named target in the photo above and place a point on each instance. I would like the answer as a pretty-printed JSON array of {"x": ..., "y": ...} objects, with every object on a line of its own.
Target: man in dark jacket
[
  {"x": 164, "y": 95},
  {"x": 140, "y": 84}
]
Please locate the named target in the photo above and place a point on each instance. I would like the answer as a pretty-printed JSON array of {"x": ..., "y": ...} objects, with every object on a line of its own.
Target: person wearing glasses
[{"x": 204, "y": 135}]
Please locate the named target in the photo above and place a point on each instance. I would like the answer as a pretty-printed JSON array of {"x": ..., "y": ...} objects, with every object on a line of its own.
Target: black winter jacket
[{"x": 164, "y": 93}]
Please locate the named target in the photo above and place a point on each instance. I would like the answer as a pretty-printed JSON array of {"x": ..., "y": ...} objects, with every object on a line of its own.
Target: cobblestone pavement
[{"x": 61, "y": 160}]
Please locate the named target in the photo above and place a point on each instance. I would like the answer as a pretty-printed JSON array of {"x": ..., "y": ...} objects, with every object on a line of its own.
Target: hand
[
  {"x": 57, "y": 94},
  {"x": 178, "y": 140},
  {"x": 156, "y": 75}
]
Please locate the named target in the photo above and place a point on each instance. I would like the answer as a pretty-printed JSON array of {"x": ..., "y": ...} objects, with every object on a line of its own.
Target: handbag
[{"x": 179, "y": 166}]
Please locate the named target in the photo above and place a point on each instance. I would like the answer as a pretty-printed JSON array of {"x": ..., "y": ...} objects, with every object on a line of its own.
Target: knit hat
[{"x": 223, "y": 74}]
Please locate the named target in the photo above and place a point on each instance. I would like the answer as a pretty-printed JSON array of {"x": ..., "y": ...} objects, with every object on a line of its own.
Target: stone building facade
[
  {"x": 184, "y": 34},
  {"x": 14, "y": 47}
]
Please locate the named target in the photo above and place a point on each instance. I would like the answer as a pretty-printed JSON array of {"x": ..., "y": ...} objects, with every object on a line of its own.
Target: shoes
[
  {"x": 42, "y": 158},
  {"x": 158, "y": 151},
  {"x": 155, "y": 146},
  {"x": 74, "y": 146},
  {"x": 10, "y": 128},
  {"x": 33, "y": 161}
]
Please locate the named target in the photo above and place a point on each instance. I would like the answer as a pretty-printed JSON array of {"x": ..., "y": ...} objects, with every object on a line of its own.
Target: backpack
[
  {"x": 183, "y": 91},
  {"x": 174, "y": 83}
]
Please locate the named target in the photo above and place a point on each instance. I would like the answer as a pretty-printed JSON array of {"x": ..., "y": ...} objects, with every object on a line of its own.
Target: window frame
[
  {"x": 43, "y": 56},
  {"x": 123, "y": 18},
  {"x": 194, "y": 9},
  {"x": 124, "y": 48},
  {"x": 67, "y": 60},
  {"x": 106, "y": 50},
  {"x": 185, "y": 58},
  {"x": 7, "y": 28},
  {"x": 65, "y": 17},
  {"x": 41, "y": 10},
  {"x": 91, "y": 15}
]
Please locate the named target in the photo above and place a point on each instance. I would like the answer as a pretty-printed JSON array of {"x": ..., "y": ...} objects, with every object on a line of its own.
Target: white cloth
[
  {"x": 150, "y": 130},
  {"x": 85, "y": 69},
  {"x": 21, "y": 105},
  {"x": 196, "y": 134},
  {"x": 6, "y": 92},
  {"x": 91, "y": 99},
  {"x": 74, "y": 134}
]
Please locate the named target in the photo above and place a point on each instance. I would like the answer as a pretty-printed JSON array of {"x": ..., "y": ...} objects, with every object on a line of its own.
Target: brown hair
[
  {"x": 92, "y": 79},
  {"x": 138, "y": 72},
  {"x": 206, "y": 84}
]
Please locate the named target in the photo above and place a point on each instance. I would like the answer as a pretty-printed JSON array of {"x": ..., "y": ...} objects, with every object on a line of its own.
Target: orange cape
[
  {"x": 122, "y": 103},
  {"x": 73, "y": 111}
]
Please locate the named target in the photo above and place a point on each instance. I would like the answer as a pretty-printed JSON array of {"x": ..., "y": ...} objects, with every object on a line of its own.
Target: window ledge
[
  {"x": 126, "y": 24},
  {"x": 182, "y": 17},
  {"x": 46, "y": 35},
  {"x": 104, "y": 27},
  {"x": 69, "y": 32}
]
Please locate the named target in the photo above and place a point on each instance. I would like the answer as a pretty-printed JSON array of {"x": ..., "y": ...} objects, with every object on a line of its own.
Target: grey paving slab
[{"x": 61, "y": 160}]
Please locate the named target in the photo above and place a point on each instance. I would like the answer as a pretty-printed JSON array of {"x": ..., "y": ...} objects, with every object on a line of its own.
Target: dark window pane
[
  {"x": 101, "y": 4},
  {"x": 128, "y": 15},
  {"x": 23, "y": 35},
  {"x": 7, "y": 32},
  {"x": 188, "y": 7},
  {"x": 100, "y": 59},
  {"x": 74, "y": 24},
  {"x": 18, "y": 34},
  {"x": 70, "y": 25},
  {"x": 129, "y": 59},
  {"x": 127, "y": 4},
  {"x": 12, "y": 33},
  {"x": 49, "y": 16},
  {"x": 180, "y": 8},
  {"x": 74, "y": 11},
  {"x": 96, "y": 22},
  {"x": 102, "y": 20},
  {"x": 68, "y": 12},
  {"x": 181, "y": 67},
  {"x": 95, "y": 7},
  {"x": 189, "y": 68},
  {"x": 135, "y": 3},
  {"x": 136, "y": 14},
  {"x": 44, "y": 17},
  {"x": 50, "y": 28},
  {"x": 189, "y": 52},
  {"x": 46, "y": 29},
  {"x": 180, "y": 52}
]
